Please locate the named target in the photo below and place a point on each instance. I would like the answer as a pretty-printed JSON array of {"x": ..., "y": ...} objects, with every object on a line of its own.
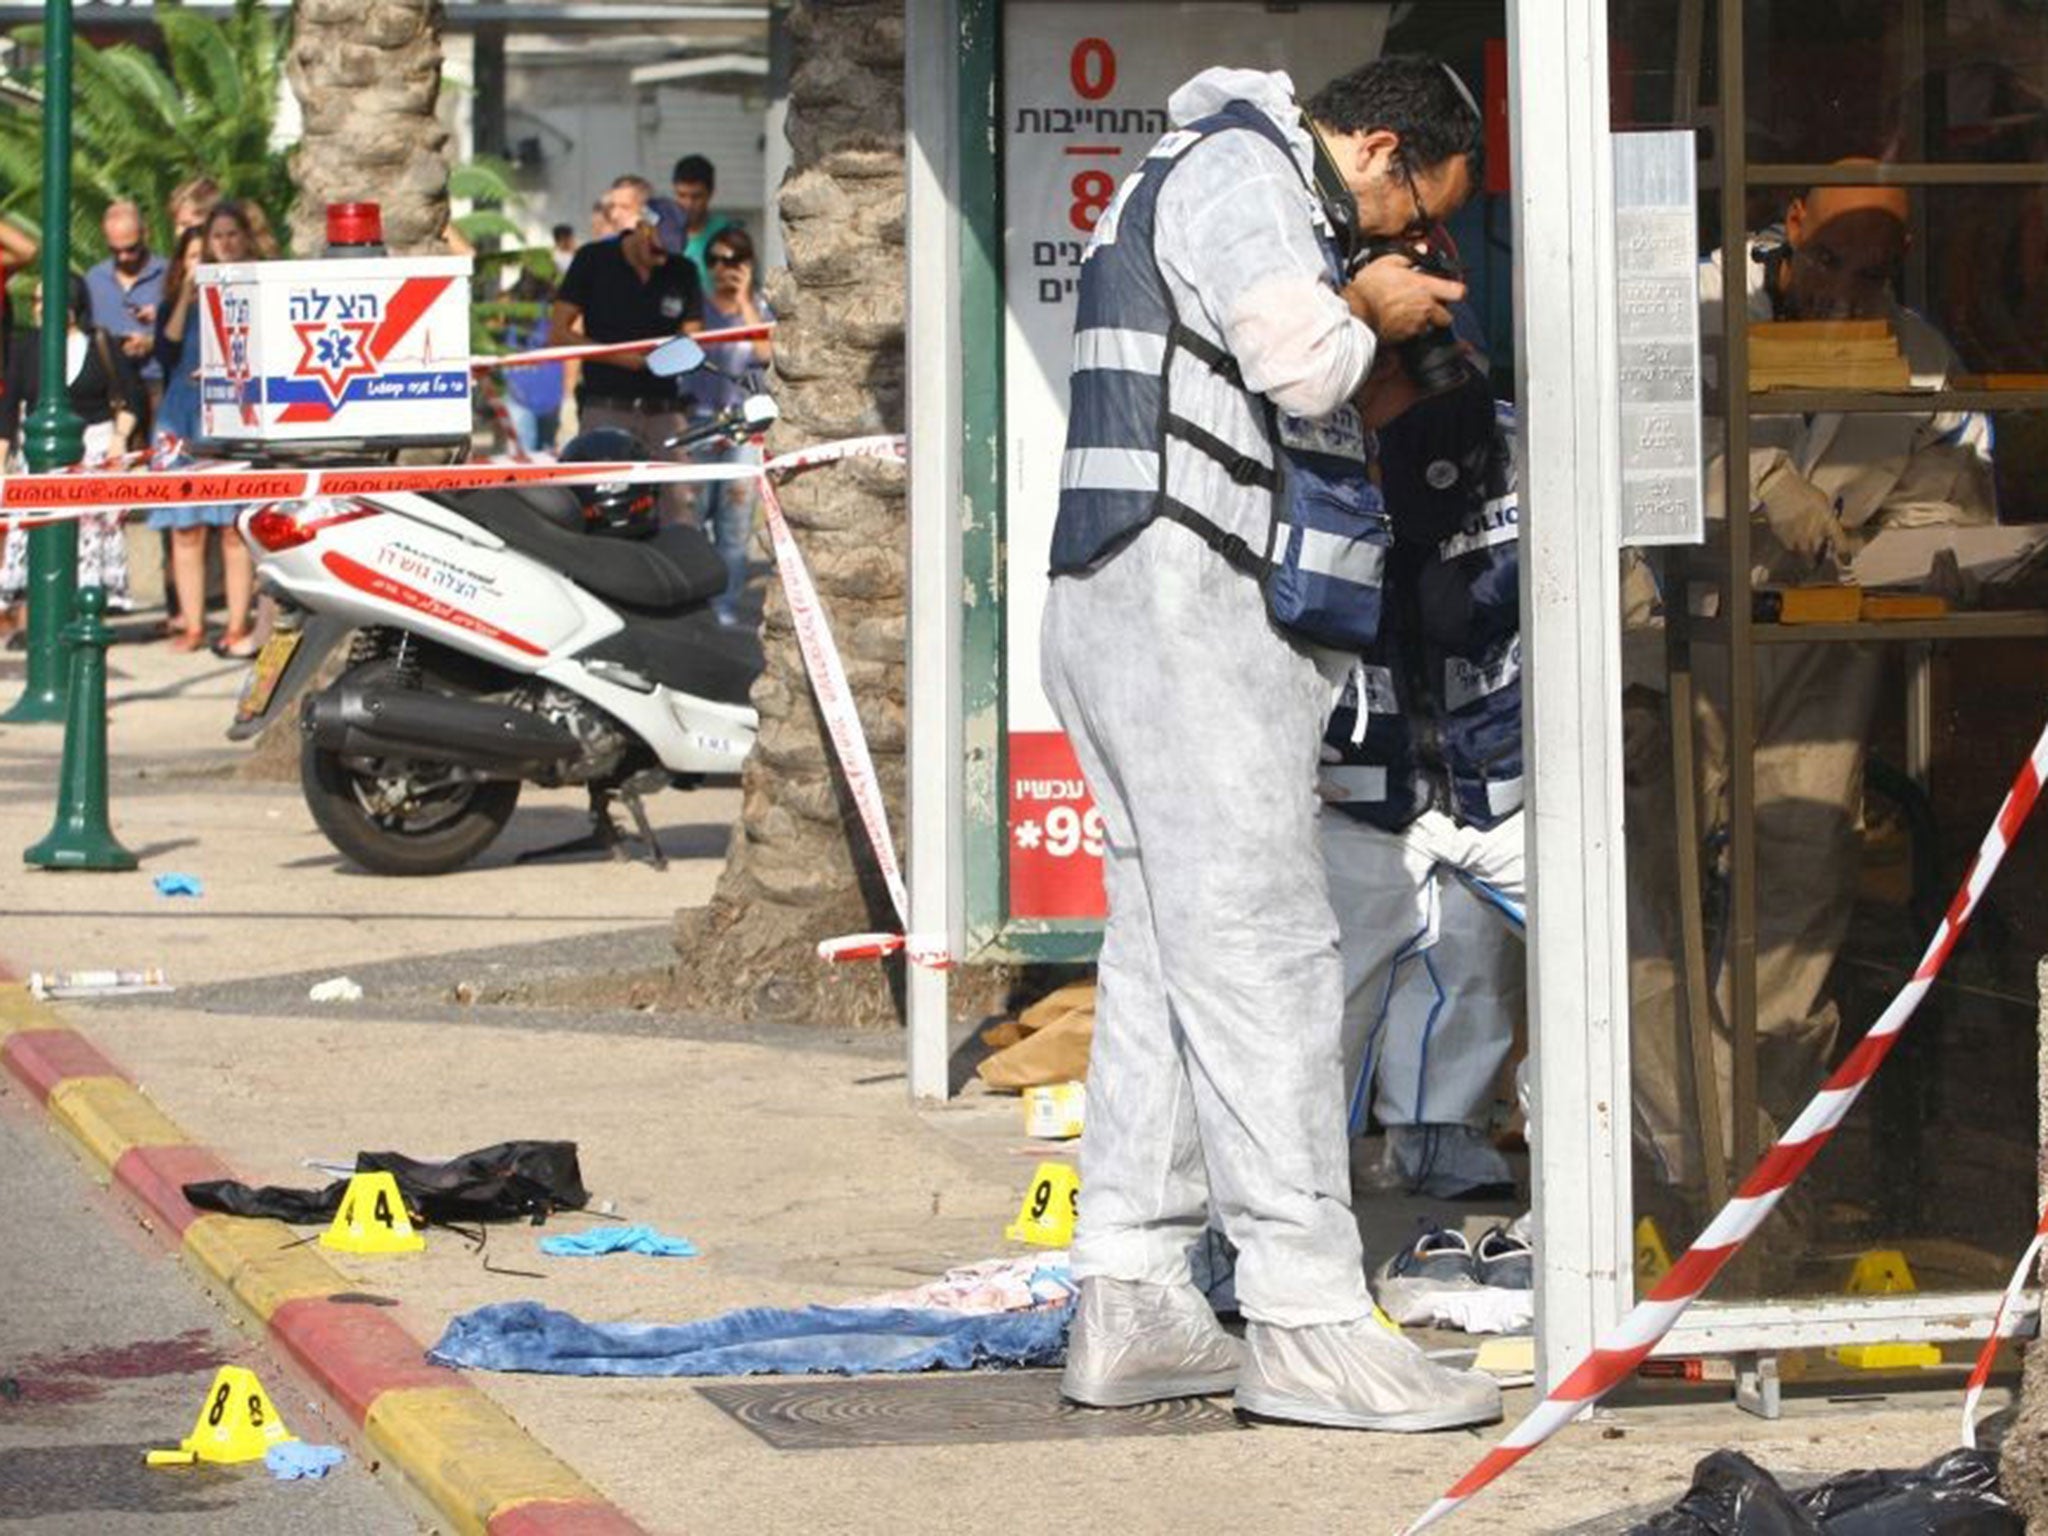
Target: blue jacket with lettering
[
  {"x": 1322, "y": 559},
  {"x": 1453, "y": 637}
]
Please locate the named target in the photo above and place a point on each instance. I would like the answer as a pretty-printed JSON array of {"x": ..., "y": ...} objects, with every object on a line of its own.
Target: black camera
[{"x": 1434, "y": 359}]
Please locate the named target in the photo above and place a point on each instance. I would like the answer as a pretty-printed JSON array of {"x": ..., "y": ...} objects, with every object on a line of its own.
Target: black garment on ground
[
  {"x": 107, "y": 382},
  {"x": 1956, "y": 1494},
  {"x": 508, "y": 1182},
  {"x": 617, "y": 306}
]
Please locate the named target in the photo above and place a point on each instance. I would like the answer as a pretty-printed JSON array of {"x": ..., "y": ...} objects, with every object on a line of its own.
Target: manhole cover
[{"x": 814, "y": 1414}]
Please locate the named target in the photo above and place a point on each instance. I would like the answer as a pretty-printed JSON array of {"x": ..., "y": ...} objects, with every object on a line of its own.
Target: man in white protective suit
[
  {"x": 1215, "y": 560},
  {"x": 1821, "y": 487},
  {"x": 1422, "y": 829}
]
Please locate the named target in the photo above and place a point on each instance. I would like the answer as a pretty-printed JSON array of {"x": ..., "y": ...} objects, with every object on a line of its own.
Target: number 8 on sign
[{"x": 1046, "y": 1218}]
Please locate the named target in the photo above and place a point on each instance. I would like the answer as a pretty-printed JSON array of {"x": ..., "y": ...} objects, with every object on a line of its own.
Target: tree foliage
[{"x": 146, "y": 119}]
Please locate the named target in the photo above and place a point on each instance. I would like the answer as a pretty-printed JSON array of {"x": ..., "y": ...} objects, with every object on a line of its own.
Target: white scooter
[{"x": 502, "y": 637}]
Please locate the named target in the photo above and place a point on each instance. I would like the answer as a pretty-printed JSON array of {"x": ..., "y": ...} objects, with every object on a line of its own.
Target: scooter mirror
[
  {"x": 760, "y": 411},
  {"x": 679, "y": 355}
]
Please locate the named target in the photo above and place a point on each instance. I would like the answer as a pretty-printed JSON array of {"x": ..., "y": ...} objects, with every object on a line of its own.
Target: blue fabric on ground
[
  {"x": 602, "y": 1240},
  {"x": 292, "y": 1459},
  {"x": 526, "y": 1336},
  {"x": 179, "y": 885}
]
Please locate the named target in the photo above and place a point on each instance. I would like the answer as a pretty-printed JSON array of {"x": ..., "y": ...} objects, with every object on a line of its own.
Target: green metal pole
[
  {"x": 53, "y": 436},
  {"x": 80, "y": 837}
]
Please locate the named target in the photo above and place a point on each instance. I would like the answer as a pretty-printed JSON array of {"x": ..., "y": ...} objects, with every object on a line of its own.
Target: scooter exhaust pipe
[{"x": 435, "y": 728}]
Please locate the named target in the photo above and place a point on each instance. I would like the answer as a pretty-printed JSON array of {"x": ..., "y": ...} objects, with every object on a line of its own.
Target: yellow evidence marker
[
  {"x": 237, "y": 1422},
  {"x": 1047, "y": 1216},
  {"x": 1884, "y": 1272},
  {"x": 372, "y": 1219},
  {"x": 1653, "y": 1259}
]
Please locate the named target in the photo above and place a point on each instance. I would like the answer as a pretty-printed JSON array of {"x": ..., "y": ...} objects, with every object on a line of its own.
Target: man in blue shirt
[{"x": 127, "y": 287}]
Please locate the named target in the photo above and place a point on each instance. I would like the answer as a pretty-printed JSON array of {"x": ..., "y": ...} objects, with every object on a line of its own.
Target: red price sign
[{"x": 1055, "y": 831}]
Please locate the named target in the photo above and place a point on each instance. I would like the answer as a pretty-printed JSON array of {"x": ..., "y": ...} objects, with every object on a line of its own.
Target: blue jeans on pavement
[{"x": 526, "y": 1336}]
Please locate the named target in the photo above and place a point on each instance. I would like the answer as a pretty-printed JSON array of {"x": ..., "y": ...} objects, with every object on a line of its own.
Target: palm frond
[
  {"x": 203, "y": 63},
  {"x": 483, "y": 179},
  {"x": 487, "y": 224}
]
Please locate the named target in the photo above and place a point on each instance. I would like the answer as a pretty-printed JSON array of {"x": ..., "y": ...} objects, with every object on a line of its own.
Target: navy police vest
[
  {"x": 1322, "y": 562},
  {"x": 1453, "y": 642}
]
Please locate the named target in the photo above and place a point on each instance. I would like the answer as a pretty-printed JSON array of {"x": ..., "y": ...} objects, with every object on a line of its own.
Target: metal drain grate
[{"x": 812, "y": 1414}]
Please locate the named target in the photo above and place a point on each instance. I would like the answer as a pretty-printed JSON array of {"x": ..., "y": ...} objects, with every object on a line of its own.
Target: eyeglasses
[
  {"x": 725, "y": 259},
  {"x": 123, "y": 252},
  {"x": 1424, "y": 223}
]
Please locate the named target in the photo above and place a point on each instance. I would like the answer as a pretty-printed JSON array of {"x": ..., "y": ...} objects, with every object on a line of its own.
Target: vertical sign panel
[
  {"x": 1656, "y": 236},
  {"x": 1084, "y": 93}
]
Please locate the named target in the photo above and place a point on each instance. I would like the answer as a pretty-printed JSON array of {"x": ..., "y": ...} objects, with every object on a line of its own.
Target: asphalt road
[{"x": 106, "y": 1350}]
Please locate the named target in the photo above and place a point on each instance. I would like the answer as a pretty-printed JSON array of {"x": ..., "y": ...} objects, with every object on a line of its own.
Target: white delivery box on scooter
[{"x": 354, "y": 349}]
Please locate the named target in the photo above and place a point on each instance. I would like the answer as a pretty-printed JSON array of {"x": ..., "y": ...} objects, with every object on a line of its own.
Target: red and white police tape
[
  {"x": 842, "y": 723},
  {"x": 31, "y": 500},
  {"x": 1981, "y": 1372},
  {"x": 1614, "y": 1360},
  {"x": 578, "y": 350}
]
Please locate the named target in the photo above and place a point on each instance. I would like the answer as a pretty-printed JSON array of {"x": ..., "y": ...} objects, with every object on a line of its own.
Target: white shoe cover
[
  {"x": 1358, "y": 1376},
  {"x": 1134, "y": 1343}
]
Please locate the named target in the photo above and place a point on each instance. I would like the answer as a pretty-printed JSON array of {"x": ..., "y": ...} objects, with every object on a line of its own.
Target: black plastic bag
[
  {"x": 1732, "y": 1496},
  {"x": 507, "y": 1182},
  {"x": 1953, "y": 1495}
]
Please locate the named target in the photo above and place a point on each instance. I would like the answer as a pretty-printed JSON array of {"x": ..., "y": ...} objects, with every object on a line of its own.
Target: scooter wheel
[{"x": 441, "y": 830}]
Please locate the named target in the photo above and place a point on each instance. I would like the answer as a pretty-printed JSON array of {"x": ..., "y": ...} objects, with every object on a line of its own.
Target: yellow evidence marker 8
[{"x": 237, "y": 1422}]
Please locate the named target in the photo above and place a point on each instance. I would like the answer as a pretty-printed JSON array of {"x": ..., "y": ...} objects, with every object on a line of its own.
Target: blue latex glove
[
  {"x": 293, "y": 1459},
  {"x": 601, "y": 1240},
  {"x": 179, "y": 885}
]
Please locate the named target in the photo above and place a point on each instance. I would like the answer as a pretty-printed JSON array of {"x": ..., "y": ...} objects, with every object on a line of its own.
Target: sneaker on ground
[
  {"x": 1504, "y": 1260},
  {"x": 1357, "y": 1375},
  {"x": 1410, "y": 1284},
  {"x": 1133, "y": 1343}
]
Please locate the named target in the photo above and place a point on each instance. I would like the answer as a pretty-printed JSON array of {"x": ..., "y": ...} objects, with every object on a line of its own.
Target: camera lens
[{"x": 1434, "y": 360}]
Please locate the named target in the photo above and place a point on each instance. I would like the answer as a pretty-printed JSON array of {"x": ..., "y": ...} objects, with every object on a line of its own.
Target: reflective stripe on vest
[{"x": 1321, "y": 559}]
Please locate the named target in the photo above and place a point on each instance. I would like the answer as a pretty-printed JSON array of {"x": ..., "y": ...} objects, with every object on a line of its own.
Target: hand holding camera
[{"x": 1402, "y": 291}]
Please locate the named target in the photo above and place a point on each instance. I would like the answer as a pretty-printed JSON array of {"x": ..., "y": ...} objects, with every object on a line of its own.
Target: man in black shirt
[{"x": 628, "y": 288}]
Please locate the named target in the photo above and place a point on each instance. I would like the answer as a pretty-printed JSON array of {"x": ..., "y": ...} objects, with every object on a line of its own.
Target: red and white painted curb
[{"x": 455, "y": 1448}]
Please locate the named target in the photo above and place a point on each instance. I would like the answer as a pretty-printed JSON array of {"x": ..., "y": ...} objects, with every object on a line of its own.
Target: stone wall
[{"x": 799, "y": 868}]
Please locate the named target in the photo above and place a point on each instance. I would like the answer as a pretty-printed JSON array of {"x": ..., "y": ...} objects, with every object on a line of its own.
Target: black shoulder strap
[{"x": 1236, "y": 553}]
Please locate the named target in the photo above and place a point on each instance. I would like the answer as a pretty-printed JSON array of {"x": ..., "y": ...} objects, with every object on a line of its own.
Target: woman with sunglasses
[{"x": 726, "y": 508}]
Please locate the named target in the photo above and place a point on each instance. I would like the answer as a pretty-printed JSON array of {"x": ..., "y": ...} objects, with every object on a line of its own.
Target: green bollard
[
  {"x": 52, "y": 599},
  {"x": 80, "y": 837}
]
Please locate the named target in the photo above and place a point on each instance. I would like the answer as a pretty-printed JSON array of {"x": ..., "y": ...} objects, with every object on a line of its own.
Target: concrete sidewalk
[{"x": 505, "y": 1001}]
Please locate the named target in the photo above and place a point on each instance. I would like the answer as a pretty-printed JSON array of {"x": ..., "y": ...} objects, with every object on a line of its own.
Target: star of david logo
[{"x": 334, "y": 352}]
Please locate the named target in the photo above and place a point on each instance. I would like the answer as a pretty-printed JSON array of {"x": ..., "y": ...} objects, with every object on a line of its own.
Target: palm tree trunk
[
  {"x": 799, "y": 868},
  {"x": 367, "y": 74}
]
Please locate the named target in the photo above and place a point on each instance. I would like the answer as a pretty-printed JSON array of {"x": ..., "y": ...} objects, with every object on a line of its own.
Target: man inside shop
[
  {"x": 1229, "y": 310},
  {"x": 628, "y": 288},
  {"x": 1822, "y": 486}
]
